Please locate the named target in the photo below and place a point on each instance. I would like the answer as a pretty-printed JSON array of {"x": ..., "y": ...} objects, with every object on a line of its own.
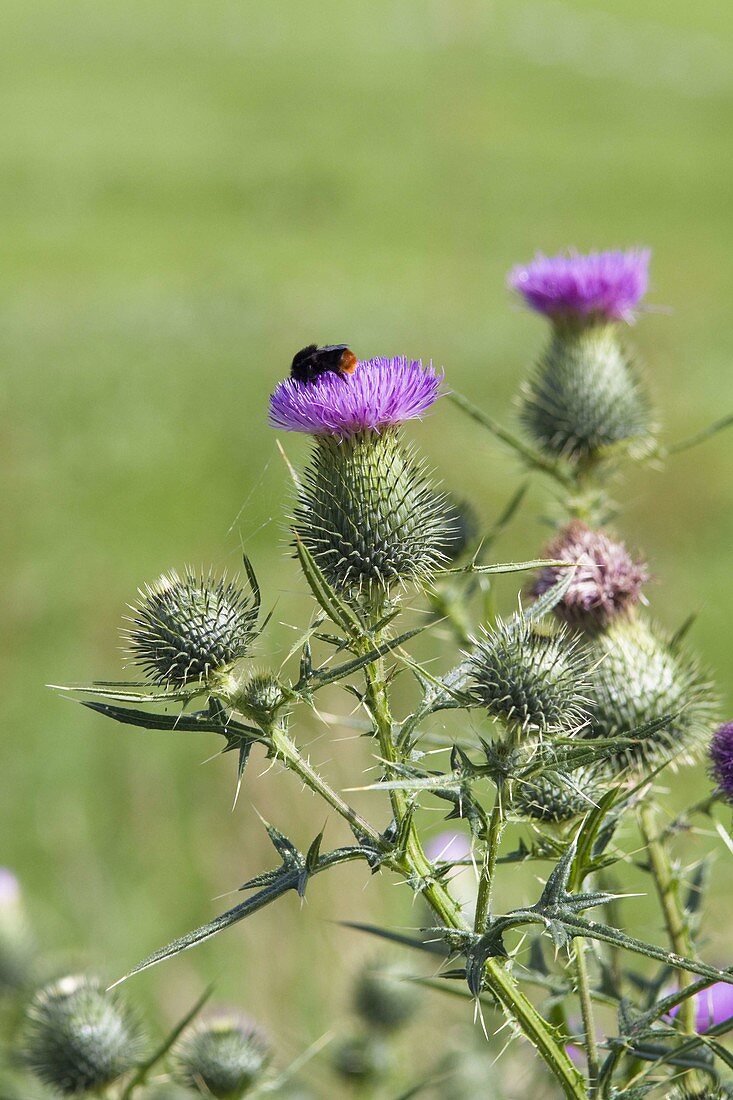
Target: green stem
[
  {"x": 414, "y": 864},
  {"x": 586, "y": 1009},
  {"x": 667, "y": 887},
  {"x": 497, "y": 823},
  {"x": 288, "y": 752}
]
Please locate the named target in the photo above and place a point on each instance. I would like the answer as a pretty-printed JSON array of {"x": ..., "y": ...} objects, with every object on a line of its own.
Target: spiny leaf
[
  {"x": 337, "y": 610},
  {"x": 432, "y": 947},
  {"x": 192, "y": 723}
]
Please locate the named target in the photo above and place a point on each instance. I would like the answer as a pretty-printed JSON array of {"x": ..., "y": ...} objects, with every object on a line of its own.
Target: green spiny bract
[
  {"x": 223, "y": 1057},
  {"x": 638, "y": 678},
  {"x": 530, "y": 677},
  {"x": 369, "y": 516},
  {"x": 553, "y": 799},
  {"x": 259, "y": 696},
  {"x": 384, "y": 996},
  {"x": 79, "y": 1038},
  {"x": 185, "y": 628},
  {"x": 585, "y": 396}
]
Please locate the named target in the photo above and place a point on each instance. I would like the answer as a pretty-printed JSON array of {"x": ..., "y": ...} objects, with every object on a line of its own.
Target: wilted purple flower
[
  {"x": 448, "y": 847},
  {"x": 721, "y": 759},
  {"x": 606, "y": 581},
  {"x": 713, "y": 1005},
  {"x": 9, "y": 889},
  {"x": 606, "y": 285},
  {"x": 380, "y": 392}
]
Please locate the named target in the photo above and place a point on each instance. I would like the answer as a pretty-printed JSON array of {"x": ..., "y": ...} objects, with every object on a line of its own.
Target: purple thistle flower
[
  {"x": 448, "y": 846},
  {"x": 380, "y": 392},
  {"x": 9, "y": 889},
  {"x": 721, "y": 759},
  {"x": 606, "y": 582},
  {"x": 603, "y": 285},
  {"x": 713, "y": 1006}
]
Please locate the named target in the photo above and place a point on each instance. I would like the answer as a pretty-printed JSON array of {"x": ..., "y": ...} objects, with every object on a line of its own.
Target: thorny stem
[
  {"x": 288, "y": 752},
  {"x": 414, "y": 864},
  {"x": 586, "y": 1009},
  {"x": 667, "y": 887},
  {"x": 497, "y": 822}
]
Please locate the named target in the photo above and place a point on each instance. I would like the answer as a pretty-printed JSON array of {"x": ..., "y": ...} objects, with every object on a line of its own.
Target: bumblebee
[{"x": 311, "y": 362}]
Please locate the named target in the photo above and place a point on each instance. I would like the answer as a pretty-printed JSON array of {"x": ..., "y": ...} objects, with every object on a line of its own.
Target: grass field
[{"x": 188, "y": 194}]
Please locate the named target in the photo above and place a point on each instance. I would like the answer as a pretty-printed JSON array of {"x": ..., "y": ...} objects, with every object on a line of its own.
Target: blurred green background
[{"x": 191, "y": 192}]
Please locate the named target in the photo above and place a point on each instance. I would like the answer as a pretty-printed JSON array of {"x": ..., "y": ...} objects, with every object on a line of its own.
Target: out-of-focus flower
[
  {"x": 380, "y": 392},
  {"x": 16, "y": 942},
  {"x": 713, "y": 1006},
  {"x": 385, "y": 996},
  {"x": 601, "y": 285},
  {"x": 721, "y": 759},
  {"x": 448, "y": 847},
  {"x": 222, "y": 1056},
  {"x": 79, "y": 1038},
  {"x": 606, "y": 581}
]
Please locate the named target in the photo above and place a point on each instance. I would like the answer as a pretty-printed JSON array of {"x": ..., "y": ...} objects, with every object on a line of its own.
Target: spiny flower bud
[
  {"x": 185, "y": 628},
  {"x": 530, "y": 678},
  {"x": 362, "y": 1059},
  {"x": 721, "y": 759},
  {"x": 606, "y": 581},
  {"x": 639, "y": 677},
  {"x": 369, "y": 516},
  {"x": 258, "y": 696},
  {"x": 222, "y": 1057},
  {"x": 79, "y": 1038},
  {"x": 701, "y": 1092},
  {"x": 385, "y": 997},
  {"x": 555, "y": 801},
  {"x": 585, "y": 396}
]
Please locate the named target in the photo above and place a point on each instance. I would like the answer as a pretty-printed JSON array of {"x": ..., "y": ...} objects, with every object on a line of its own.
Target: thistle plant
[{"x": 542, "y": 734}]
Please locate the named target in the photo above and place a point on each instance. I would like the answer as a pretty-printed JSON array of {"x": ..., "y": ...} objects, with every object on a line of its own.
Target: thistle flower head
[
  {"x": 555, "y": 799},
  {"x": 258, "y": 696},
  {"x": 369, "y": 515},
  {"x": 721, "y": 759},
  {"x": 79, "y": 1038},
  {"x": 606, "y": 582},
  {"x": 185, "y": 628},
  {"x": 385, "y": 997},
  {"x": 221, "y": 1057},
  {"x": 605, "y": 286},
  {"x": 380, "y": 392},
  {"x": 638, "y": 678},
  {"x": 530, "y": 678}
]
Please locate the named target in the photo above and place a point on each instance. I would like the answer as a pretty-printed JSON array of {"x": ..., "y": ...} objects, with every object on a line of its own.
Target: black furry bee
[{"x": 311, "y": 362}]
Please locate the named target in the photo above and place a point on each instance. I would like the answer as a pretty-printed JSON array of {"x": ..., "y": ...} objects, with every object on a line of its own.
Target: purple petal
[
  {"x": 606, "y": 284},
  {"x": 380, "y": 392},
  {"x": 713, "y": 1005}
]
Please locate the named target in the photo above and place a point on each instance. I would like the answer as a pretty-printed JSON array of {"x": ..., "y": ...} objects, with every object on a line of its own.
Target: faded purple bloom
[
  {"x": 380, "y": 392},
  {"x": 721, "y": 759},
  {"x": 9, "y": 889},
  {"x": 448, "y": 847},
  {"x": 606, "y": 582},
  {"x": 605, "y": 285},
  {"x": 713, "y": 1005}
]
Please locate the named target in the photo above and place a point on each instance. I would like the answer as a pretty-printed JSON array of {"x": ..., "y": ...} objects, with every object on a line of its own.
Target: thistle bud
[
  {"x": 258, "y": 696},
  {"x": 362, "y": 1059},
  {"x": 554, "y": 800},
  {"x": 530, "y": 678},
  {"x": 222, "y": 1057},
  {"x": 185, "y": 629},
  {"x": 79, "y": 1038},
  {"x": 639, "y": 677},
  {"x": 585, "y": 395},
  {"x": 606, "y": 581},
  {"x": 366, "y": 510},
  {"x": 701, "y": 1092},
  {"x": 384, "y": 997}
]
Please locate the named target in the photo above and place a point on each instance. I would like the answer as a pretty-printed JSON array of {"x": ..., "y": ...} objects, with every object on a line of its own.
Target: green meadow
[{"x": 189, "y": 193}]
